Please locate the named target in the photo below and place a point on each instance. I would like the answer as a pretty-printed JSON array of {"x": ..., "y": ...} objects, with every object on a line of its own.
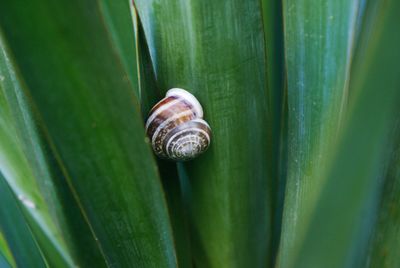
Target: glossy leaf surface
[
  {"x": 203, "y": 47},
  {"x": 92, "y": 116},
  {"x": 277, "y": 114},
  {"x": 26, "y": 167},
  {"x": 318, "y": 49},
  {"x": 342, "y": 220},
  {"x": 385, "y": 242},
  {"x": 12, "y": 223},
  {"x": 5, "y": 252},
  {"x": 118, "y": 21}
]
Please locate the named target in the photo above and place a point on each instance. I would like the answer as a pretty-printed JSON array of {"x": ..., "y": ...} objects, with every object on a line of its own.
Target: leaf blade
[
  {"x": 384, "y": 242},
  {"x": 199, "y": 46},
  {"x": 5, "y": 252},
  {"x": 26, "y": 167},
  {"x": 97, "y": 131},
  {"x": 357, "y": 164},
  {"x": 17, "y": 233},
  {"x": 318, "y": 48},
  {"x": 118, "y": 20}
]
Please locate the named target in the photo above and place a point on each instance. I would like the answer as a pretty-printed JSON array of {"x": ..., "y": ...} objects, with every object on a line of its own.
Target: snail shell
[{"x": 176, "y": 128}]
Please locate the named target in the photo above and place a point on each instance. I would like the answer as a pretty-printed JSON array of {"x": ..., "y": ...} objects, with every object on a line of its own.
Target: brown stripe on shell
[{"x": 177, "y": 108}]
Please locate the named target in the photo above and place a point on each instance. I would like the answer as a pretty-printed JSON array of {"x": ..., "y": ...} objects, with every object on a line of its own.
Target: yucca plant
[{"x": 302, "y": 98}]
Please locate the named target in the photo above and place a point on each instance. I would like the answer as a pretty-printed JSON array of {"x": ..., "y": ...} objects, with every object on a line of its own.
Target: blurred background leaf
[
  {"x": 346, "y": 210},
  {"x": 119, "y": 22},
  {"x": 369, "y": 13},
  {"x": 12, "y": 224},
  {"x": 203, "y": 47},
  {"x": 385, "y": 243},
  {"x": 4, "y": 262},
  {"x": 92, "y": 115},
  {"x": 318, "y": 49},
  {"x": 150, "y": 95},
  {"x": 37, "y": 181},
  {"x": 6, "y": 257}
]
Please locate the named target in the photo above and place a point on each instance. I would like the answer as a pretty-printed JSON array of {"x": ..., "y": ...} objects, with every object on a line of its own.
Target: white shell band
[{"x": 179, "y": 92}]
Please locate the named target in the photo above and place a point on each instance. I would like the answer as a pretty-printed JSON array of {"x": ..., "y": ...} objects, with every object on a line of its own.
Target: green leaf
[
  {"x": 92, "y": 116},
  {"x": 178, "y": 212},
  {"x": 35, "y": 178},
  {"x": 362, "y": 8},
  {"x": 4, "y": 262},
  {"x": 342, "y": 217},
  {"x": 318, "y": 49},
  {"x": 16, "y": 231},
  {"x": 366, "y": 17},
  {"x": 385, "y": 242},
  {"x": 5, "y": 253},
  {"x": 118, "y": 21},
  {"x": 273, "y": 28},
  {"x": 203, "y": 47},
  {"x": 150, "y": 92},
  {"x": 150, "y": 95}
]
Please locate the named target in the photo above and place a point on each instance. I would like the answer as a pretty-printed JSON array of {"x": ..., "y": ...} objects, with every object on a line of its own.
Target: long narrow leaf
[
  {"x": 150, "y": 95},
  {"x": 318, "y": 48},
  {"x": 28, "y": 168},
  {"x": 92, "y": 116},
  {"x": 118, "y": 19},
  {"x": 215, "y": 49},
  {"x": 368, "y": 15},
  {"x": 4, "y": 262},
  {"x": 343, "y": 213},
  {"x": 17, "y": 233},
  {"x": 273, "y": 30},
  {"x": 385, "y": 242},
  {"x": 6, "y": 252},
  {"x": 178, "y": 213}
]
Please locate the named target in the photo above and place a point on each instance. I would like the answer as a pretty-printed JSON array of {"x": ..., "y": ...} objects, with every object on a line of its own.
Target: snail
[{"x": 176, "y": 128}]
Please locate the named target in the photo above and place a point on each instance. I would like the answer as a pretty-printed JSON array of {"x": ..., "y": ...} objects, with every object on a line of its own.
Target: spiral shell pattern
[{"x": 176, "y": 128}]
